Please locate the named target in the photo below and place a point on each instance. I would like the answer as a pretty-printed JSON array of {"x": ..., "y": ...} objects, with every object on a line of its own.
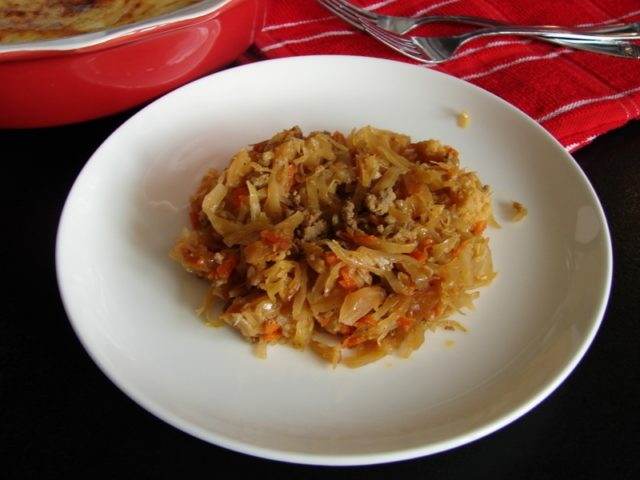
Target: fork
[
  {"x": 434, "y": 50},
  {"x": 402, "y": 25},
  {"x": 440, "y": 49}
]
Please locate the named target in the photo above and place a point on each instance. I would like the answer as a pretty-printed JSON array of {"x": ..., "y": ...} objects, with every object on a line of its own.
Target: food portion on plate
[
  {"x": 33, "y": 20},
  {"x": 520, "y": 211},
  {"x": 352, "y": 246}
]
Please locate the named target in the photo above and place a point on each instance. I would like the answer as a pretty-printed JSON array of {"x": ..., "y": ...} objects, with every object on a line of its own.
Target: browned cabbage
[{"x": 353, "y": 246}]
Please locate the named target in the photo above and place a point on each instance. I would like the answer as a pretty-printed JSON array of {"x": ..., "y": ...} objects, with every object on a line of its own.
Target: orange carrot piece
[
  {"x": 426, "y": 242},
  {"x": 275, "y": 240},
  {"x": 358, "y": 238},
  {"x": 346, "y": 329},
  {"x": 421, "y": 252},
  {"x": 353, "y": 340},
  {"x": 456, "y": 251},
  {"x": 479, "y": 227},
  {"x": 239, "y": 196},
  {"x": 338, "y": 137},
  {"x": 362, "y": 239},
  {"x": 224, "y": 270},
  {"x": 331, "y": 259},
  {"x": 192, "y": 258},
  {"x": 367, "y": 320},
  {"x": 272, "y": 337},
  {"x": 346, "y": 279},
  {"x": 270, "y": 326},
  {"x": 271, "y": 331},
  {"x": 405, "y": 323},
  {"x": 420, "y": 255}
]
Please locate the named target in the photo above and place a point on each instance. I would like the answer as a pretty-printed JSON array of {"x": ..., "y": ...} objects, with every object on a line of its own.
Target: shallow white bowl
[{"x": 133, "y": 308}]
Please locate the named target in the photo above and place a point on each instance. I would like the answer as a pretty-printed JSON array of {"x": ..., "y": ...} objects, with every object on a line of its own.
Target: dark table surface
[{"x": 60, "y": 415}]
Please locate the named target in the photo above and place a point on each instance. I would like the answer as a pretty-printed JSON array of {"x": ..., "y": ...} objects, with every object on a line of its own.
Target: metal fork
[
  {"x": 440, "y": 49},
  {"x": 402, "y": 25},
  {"x": 433, "y": 50}
]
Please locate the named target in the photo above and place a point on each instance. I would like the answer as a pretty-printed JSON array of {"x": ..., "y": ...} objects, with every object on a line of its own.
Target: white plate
[{"x": 133, "y": 308}]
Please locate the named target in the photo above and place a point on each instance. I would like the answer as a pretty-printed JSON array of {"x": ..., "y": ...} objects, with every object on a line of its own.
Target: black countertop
[{"x": 60, "y": 415}]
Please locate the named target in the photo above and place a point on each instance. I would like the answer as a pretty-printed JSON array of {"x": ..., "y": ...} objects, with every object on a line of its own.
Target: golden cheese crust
[{"x": 32, "y": 20}]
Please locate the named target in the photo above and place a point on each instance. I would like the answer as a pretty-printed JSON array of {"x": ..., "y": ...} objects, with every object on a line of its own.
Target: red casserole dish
[{"x": 82, "y": 77}]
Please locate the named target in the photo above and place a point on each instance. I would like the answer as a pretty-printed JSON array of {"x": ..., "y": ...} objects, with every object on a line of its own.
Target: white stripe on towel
[
  {"x": 337, "y": 33},
  {"x": 586, "y": 101},
  {"x": 503, "y": 66}
]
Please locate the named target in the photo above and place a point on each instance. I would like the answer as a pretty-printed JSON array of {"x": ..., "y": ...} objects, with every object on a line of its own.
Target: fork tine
[
  {"x": 390, "y": 39},
  {"x": 402, "y": 45},
  {"x": 341, "y": 10},
  {"x": 337, "y": 9},
  {"x": 360, "y": 12},
  {"x": 352, "y": 16}
]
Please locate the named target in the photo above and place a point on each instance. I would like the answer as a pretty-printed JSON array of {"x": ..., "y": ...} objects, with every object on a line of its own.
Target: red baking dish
[{"x": 82, "y": 77}]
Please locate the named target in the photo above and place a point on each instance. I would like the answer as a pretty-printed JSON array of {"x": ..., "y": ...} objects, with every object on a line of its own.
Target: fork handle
[
  {"x": 583, "y": 35},
  {"x": 615, "y": 28},
  {"x": 605, "y": 47},
  {"x": 617, "y": 49}
]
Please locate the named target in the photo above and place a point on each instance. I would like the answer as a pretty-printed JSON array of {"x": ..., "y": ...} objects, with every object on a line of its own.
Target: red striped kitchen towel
[{"x": 575, "y": 95}]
